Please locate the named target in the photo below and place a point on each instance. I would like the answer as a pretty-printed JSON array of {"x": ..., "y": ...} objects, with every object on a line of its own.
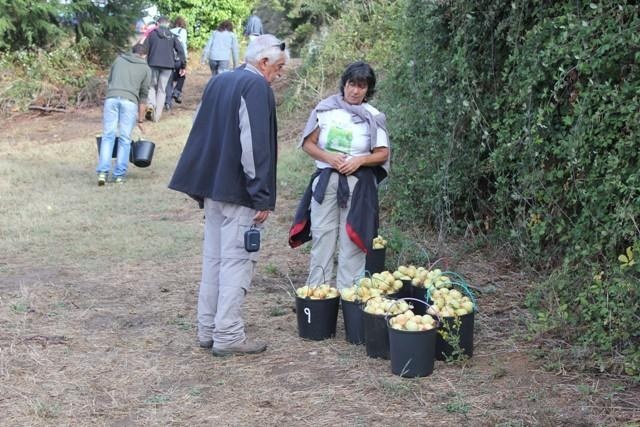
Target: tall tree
[{"x": 26, "y": 24}]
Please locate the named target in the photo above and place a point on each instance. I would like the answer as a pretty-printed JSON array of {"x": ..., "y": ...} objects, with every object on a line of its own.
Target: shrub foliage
[{"x": 521, "y": 119}]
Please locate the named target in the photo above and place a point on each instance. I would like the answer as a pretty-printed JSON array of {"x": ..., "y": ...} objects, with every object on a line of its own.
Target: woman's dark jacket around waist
[{"x": 362, "y": 218}]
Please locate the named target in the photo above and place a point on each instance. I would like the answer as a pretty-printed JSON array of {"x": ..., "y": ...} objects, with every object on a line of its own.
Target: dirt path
[{"x": 97, "y": 308}]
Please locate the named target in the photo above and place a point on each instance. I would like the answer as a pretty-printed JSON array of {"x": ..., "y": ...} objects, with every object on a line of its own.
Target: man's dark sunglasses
[{"x": 282, "y": 46}]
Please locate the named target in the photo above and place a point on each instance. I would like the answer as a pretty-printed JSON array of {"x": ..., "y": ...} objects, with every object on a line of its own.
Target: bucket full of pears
[
  {"x": 364, "y": 288},
  {"x": 455, "y": 304},
  {"x": 376, "y": 255},
  {"x": 317, "y": 311},
  {"x": 419, "y": 280},
  {"x": 412, "y": 342},
  {"x": 376, "y": 335}
]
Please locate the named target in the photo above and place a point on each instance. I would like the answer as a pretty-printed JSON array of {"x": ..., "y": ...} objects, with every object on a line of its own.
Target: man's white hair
[{"x": 265, "y": 46}]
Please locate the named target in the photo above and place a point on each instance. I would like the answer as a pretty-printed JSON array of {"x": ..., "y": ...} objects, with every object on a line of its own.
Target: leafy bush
[
  {"x": 597, "y": 312},
  {"x": 522, "y": 122},
  {"x": 29, "y": 75}
]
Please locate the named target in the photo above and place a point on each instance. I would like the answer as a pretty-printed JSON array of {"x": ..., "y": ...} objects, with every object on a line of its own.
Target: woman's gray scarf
[{"x": 358, "y": 113}]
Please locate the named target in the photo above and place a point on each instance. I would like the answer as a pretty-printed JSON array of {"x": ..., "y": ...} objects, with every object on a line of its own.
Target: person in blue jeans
[{"x": 128, "y": 86}]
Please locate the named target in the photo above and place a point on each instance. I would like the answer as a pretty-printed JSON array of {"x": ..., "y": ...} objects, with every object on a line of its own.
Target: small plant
[
  {"x": 277, "y": 311},
  {"x": 272, "y": 269},
  {"x": 158, "y": 399},
  {"x": 182, "y": 323},
  {"x": 396, "y": 388},
  {"x": 20, "y": 307},
  {"x": 46, "y": 410},
  {"x": 450, "y": 333},
  {"x": 458, "y": 406}
]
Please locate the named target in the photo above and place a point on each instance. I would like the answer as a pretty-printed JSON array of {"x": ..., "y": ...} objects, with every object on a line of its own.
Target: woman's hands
[{"x": 344, "y": 164}]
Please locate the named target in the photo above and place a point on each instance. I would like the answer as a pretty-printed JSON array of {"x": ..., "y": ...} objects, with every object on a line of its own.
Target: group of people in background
[
  {"x": 229, "y": 163},
  {"x": 148, "y": 80}
]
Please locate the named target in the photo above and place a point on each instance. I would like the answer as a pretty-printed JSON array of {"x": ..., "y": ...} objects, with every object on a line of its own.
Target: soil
[{"x": 124, "y": 353}]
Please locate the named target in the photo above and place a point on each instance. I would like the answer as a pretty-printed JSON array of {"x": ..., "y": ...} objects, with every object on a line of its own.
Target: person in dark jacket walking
[
  {"x": 347, "y": 138},
  {"x": 176, "y": 82},
  {"x": 163, "y": 48},
  {"x": 128, "y": 86},
  {"x": 229, "y": 166},
  {"x": 253, "y": 28}
]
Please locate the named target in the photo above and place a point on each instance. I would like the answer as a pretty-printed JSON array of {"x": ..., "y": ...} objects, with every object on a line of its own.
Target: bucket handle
[
  {"x": 380, "y": 280},
  {"x": 324, "y": 278},
  {"x": 356, "y": 283},
  {"x": 137, "y": 130},
  {"x": 386, "y": 316},
  {"x": 462, "y": 284}
]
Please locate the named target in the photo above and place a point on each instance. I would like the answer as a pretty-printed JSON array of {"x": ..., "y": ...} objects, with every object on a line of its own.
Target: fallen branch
[{"x": 47, "y": 109}]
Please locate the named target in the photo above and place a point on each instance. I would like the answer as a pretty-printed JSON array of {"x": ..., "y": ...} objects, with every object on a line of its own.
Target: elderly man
[{"x": 229, "y": 166}]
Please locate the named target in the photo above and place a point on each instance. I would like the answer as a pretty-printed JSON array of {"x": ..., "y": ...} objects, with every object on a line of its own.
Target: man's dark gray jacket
[{"x": 231, "y": 153}]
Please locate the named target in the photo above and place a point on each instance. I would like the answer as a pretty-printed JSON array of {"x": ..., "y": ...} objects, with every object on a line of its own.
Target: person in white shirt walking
[{"x": 222, "y": 45}]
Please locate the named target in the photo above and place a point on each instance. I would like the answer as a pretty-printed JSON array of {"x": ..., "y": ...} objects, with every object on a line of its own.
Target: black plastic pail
[
  {"x": 353, "y": 322},
  {"x": 420, "y": 293},
  {"x": 412, "y": 353},
  {"x": 375, "y": 260},
  {"x": 443, "y": 348},
  {"x": 405, "y": 292},
  {"x": 376, "y": 336},
  {"x": 142, "y": 153},
  {"x": 317, "y": 318}
]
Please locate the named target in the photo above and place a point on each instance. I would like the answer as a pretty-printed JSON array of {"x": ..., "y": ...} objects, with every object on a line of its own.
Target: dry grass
[{"x": 97, "y": 305}]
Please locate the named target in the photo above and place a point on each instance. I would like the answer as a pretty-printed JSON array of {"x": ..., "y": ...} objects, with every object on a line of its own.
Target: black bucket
[
  {"x": 419, "y": 293},
  {"x": 376, "y": 336},
  {"x": 317, "y": 318},
  {"x": 142, "y": 153},
  {"x": 114, "y": 154},
  {"x": 353, "y": 323},
  {"x": 395, "y": 295},
  {"x": 405, "y": 292},
  {"x": 412, "y": 353},
  {"x": 375, "y": 260},
  {"x": 443, "y": 349}
]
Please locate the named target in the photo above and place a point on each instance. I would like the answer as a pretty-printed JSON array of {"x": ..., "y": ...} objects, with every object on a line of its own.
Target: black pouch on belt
[{"x": 252, "y": 239}]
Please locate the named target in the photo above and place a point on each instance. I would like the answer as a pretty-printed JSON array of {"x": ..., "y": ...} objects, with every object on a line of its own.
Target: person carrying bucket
[
  {"x": 128, "y": 87},
  {"x": 229, "y": 166}
]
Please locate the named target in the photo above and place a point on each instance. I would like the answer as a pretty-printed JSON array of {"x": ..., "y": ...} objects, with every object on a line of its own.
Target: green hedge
[{"x": 520, "y": 119}]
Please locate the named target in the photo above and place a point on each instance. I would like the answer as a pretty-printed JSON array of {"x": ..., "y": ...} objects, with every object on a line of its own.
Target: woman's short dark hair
[
  {"x": 225, "y": 25},
  {"x": 359, "y": 72}
]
